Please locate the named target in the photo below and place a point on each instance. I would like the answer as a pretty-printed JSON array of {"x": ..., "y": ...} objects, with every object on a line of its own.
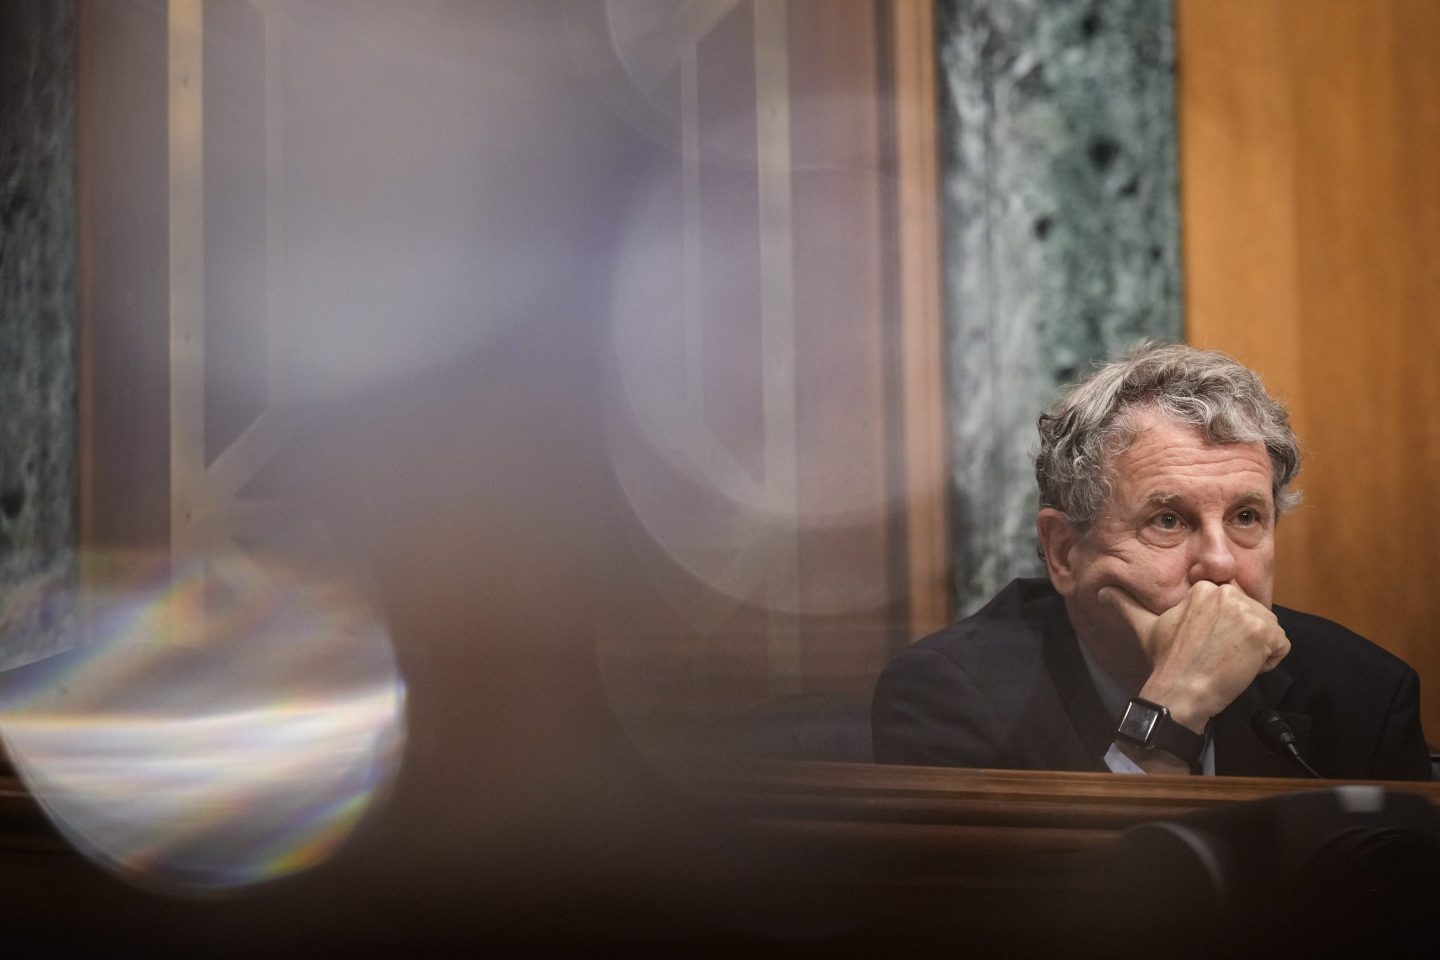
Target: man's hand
[{"x": 1204, "y": 650}]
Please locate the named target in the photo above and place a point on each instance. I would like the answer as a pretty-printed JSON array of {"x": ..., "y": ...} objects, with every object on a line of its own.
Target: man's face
[{"x": 1181, "y": 510}]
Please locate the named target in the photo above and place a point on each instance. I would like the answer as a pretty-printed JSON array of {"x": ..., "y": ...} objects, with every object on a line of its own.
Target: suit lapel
[{"x": 1066, "y": 665}]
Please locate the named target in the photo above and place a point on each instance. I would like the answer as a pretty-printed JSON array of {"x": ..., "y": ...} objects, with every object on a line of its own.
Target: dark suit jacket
[{"x": 1007, "y": 688}]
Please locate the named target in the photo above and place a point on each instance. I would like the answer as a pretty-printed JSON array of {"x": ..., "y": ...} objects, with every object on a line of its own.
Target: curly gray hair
[{"x": 1093, "y": 422}]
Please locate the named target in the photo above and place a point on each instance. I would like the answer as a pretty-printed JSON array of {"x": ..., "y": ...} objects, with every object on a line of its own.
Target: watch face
[{"x": 1139, "y": 722}]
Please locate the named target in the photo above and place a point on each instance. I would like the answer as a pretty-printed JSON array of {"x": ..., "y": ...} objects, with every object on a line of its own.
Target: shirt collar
[{"x": 1113, "y": 695}]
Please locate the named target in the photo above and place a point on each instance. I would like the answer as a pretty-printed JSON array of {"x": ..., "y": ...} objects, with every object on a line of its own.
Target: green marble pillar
[
  {"x": 1061, "y": 235},
  {"x": 37, "y": 326}
]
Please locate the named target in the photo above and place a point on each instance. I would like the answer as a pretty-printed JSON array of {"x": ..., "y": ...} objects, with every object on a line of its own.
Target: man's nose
[{"x": 1214, "y": 557}]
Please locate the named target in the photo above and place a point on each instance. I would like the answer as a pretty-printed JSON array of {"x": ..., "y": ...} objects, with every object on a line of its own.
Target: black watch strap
[{"x": 1149, "y": 726}]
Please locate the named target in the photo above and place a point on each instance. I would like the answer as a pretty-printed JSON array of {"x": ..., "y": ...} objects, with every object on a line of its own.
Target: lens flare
[
  {"x": 203, "y": 736},
  {"x": 732, "y": 487}
]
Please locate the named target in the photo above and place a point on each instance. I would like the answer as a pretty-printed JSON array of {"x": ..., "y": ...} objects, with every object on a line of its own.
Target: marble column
[
  {"x": 1061, "y": 236},
  {"x": 37, "y": 326}
]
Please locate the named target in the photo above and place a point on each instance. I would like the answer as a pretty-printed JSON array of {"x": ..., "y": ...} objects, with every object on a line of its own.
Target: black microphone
[{"x": 1276, "y": 734}]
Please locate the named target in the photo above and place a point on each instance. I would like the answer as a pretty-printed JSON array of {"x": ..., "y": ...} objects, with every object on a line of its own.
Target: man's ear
[{"x": 1058, "y": 537}]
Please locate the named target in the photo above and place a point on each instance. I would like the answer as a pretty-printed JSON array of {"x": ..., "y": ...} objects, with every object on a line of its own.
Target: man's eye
[
  {"x": 1167, "y": 521},
  {"x": 1247, "y": 517}
]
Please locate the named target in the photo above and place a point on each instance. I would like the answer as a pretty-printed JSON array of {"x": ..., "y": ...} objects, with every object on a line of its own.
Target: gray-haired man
[{"x": 1153, "y": 646}]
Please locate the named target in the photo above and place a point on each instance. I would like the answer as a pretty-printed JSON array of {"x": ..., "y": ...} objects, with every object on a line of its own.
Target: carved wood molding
[
  {"x": 881, "y": 792},
  {"x": 993, "y": 829},
  {"x": 893, "y": 831}
]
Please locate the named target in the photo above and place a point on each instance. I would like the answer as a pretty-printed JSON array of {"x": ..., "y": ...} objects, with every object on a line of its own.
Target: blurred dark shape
[
  {"x": 809, "y": 726},
  {"x": 1342, "y": 872},
  {"x": 472, "y": 487},
  {"x": 480, "y": 505}
]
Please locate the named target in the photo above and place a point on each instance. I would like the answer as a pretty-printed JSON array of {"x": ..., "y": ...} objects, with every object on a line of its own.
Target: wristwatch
[{"x": 1149, "y": 726}]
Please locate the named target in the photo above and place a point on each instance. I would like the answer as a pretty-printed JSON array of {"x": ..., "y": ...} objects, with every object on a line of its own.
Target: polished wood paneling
[
  {"x": 803, "y": 238},
  {"x": 1311, "y": 208},
  {"x": 922, "y": 341},
  {"x": 124, "y": 278},
  {"x": 789, "y": 149}
]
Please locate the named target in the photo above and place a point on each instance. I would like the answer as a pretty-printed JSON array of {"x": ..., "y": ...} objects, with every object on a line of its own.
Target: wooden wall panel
[
  {"x": 124, "y": 278},
  {"x": 1311, "y": 213},
  {"x": 795, "y": 288},
  {"x": 844, "y": 395}
]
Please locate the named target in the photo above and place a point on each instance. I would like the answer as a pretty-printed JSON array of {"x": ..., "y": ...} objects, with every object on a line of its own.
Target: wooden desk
[
  {"x": 858, "y": 859},
  {"x": 968, "y": 821},
  {"x": 948, "y": 826},
  {"x": 1007, "y": 863}
]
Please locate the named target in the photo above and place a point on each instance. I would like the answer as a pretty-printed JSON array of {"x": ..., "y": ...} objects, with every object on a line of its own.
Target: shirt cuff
[{"x": 1116, "y": 760}]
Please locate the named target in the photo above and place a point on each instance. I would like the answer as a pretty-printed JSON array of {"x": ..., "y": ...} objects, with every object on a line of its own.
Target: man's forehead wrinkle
[
  {"x": 1164, "y": 498},
  {"x": 1143, "y": 456},
  {"x": 1154, "y": 458}
]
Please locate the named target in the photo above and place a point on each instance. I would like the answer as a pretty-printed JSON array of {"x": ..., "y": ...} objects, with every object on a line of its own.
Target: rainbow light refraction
[{"x": 200, "y": 738}]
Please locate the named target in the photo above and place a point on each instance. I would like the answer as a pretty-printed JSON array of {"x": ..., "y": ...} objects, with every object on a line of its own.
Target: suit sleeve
[
  {"x": 1402, "y": 752},
  {"x": 928, "y": 711}
]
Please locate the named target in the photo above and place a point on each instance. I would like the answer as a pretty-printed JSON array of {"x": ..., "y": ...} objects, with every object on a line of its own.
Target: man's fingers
[
  {"x": 1278, "y": 651},
  {"x": 1139, "y": 617}
]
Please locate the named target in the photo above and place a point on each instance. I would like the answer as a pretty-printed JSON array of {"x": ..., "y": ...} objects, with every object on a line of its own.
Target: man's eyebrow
[{"x": 1168, "y": 498}]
